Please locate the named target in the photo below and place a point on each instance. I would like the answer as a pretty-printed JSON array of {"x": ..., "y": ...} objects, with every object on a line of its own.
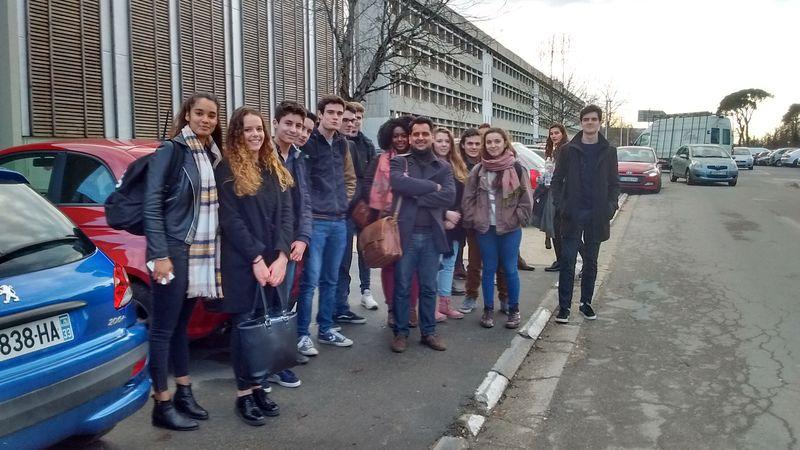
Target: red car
[
  {"x": 77, "y": 176},
  {"x": 638, "y": 169}
]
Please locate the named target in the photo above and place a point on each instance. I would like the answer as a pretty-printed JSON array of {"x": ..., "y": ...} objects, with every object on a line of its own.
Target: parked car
[
  {"x": 791, "y": 158},
  {"x": 743, "y": 157},
  {"x": 763, "y": 158},
  {"x": 757, "y": 151},
  {"x": 704, "y": 163},
  {"x": 72, "y": 354},
  {"x": 77, "y": 176},
  {"x": 530, "y": 160},
  {"x": 774, "y": 157},
  {"x": 638, "y": 169}
]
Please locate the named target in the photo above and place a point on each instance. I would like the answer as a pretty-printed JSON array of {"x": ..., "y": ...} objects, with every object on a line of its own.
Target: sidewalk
[{"x": 364, "y": 396}]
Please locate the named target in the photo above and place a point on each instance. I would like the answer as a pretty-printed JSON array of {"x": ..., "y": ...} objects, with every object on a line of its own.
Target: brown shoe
[
  {"x": 434, "y": 341},
  {"x": 399, "y": 343},
  {"x": 513, "y": 320},
  {"x": 487, "y": 319},
  {"x": 413, "y": 319}
]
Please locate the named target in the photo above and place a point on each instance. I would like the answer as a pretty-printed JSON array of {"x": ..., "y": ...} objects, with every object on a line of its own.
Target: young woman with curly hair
[{"x": 257, "y": 231}]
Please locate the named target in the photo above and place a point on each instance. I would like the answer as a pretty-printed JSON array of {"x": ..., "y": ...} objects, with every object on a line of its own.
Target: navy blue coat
[
  {"x": 417, "y": 190},
  {"x": 301, "y": 194},
  {"x": 325, "y": 164}
]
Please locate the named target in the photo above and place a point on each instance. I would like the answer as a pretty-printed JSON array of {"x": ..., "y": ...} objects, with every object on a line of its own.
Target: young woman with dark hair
[
  {"x": 181, "y": 227},
  {"x": 444, "y": 147},
  {"x": 557, "y": 136},
  {"x": 497, "y": 202},
  {"x": 393, "y": 140},
  {"x": 257, "y": 233}
]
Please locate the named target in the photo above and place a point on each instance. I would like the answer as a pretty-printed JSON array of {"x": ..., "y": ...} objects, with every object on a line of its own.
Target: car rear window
[
  {"x": 741, "y": 151},
  {"x": 36, "y": 235}
]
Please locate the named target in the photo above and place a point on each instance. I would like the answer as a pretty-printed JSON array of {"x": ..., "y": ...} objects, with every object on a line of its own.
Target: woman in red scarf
[
  {"x": 497, "y": 203},
  {"x": 393, "y": 140}
]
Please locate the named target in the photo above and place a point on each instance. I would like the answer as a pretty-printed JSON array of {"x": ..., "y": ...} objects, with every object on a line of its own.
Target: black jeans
[
  {"x": 171, "y": 312},
  {"x": 570, "y": 246}
]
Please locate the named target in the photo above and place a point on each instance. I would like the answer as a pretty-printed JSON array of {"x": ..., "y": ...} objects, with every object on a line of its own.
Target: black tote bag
[{"x": 268, "y": 342}]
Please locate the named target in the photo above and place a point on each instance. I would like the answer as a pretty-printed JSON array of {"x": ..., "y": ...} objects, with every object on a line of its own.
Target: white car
[
  {"x": 791, "y": 158},
  {"x": 743, "y": 157}
]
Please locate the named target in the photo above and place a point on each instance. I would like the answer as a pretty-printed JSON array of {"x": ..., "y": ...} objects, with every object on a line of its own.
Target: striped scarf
[{"x": 204, "y": 273}]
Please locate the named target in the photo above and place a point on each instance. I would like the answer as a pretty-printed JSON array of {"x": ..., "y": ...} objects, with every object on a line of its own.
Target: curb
[{"x": 493, "y": 386}]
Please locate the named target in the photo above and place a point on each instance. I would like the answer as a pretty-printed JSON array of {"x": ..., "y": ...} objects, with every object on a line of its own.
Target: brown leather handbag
[
  {"x": 380, "y": 241},
  {"x": 363, "y": 215}
]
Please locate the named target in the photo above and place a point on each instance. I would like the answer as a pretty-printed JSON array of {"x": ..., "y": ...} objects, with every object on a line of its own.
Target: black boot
[
  {"x": 265, "y": 404},
  {"x": 248, "y": 411},
  {"x": 185, "y": 403},
  {"x": 166, "y": 416},
  {"x": 555, "y": 267}
]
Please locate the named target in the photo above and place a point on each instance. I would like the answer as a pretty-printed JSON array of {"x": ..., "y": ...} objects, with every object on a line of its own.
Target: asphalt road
[
  {"x": 359, "y": 397},
  {"x": 695, "y": 344}
]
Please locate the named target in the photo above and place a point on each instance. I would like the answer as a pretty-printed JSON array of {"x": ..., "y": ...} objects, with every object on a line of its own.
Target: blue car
[{"x": 73, "y": 358}]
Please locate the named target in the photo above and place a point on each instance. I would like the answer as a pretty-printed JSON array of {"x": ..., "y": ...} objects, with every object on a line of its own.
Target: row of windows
[
  {"x": 516, "y": 94},
  {"x": 521, "y": 136},
  {"x": 429, "y": 92},
  {"x": 513, "y": 115},
  {"x": 455, "y": 126},
  {"x": 457, "y": 39},
  {"x": 447, "y": 65},
  {"x": 512, "y": 72}
]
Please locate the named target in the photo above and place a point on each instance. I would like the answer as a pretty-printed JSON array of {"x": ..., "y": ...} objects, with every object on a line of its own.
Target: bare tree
[
  {"x": 561, "y": 100},
  {"x": 381, "y": 42},
  {"x": 609, "y": 99}
]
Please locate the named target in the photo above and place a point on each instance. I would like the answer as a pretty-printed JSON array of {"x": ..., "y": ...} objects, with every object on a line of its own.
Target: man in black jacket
[
  {"x": 362, "y": 152},
  {"x": 424, "y": 184},
  {"x": 585, "y": 189}
]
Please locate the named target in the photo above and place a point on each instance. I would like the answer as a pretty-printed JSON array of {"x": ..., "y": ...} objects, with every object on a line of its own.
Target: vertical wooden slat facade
[
  {"x": 288, "y": 20},
  {"x": 255, "y": 55},
  {"x": 202, "y": 50},
  {"x": 64, "y": 67},
  {"x": 324, "y": 53},
  {"x": 150, "y": 68}
]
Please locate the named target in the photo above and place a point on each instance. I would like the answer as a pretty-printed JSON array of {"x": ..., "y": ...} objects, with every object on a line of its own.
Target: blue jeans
[
  {"x": 500, "y": 249},
  {"x": 321, "y": 269},
  {"x": 343, "y": 289},
  {"x": 422, "y": 258},
  {"x": 446, "y": 269},
  {"x": 570, "y": 246}
]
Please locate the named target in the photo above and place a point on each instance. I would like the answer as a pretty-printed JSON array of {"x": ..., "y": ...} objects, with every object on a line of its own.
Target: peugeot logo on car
[{"x": 8, "y": 294}]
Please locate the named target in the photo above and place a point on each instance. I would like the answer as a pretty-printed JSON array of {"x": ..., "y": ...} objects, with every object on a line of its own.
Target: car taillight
[
  {"x": 122, "y": 287},
  {"x": 138, "y": 366}
]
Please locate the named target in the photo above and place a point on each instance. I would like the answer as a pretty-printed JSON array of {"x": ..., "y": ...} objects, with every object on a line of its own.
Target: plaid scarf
[{"x": 204, "y": 272}]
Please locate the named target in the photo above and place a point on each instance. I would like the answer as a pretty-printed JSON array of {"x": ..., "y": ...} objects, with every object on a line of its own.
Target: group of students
[{"x": 270, "y": 215}]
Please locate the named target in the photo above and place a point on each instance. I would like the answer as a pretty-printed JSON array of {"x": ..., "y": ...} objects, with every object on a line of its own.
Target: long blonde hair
[
  {"x": 245, "y": 165},
  {"x": 453, "y": 157}
]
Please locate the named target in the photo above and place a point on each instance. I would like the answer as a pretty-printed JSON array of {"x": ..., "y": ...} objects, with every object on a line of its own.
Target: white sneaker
[
  {"x": 306, "y": 346},
  {"x": 367, "y": 301}
]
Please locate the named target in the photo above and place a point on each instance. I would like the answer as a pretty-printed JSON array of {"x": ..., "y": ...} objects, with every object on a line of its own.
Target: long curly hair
[
  {"x": 247, "y": 166},
  {"x": 550, "y": 147},
  {"x": 454, "y": 157}
]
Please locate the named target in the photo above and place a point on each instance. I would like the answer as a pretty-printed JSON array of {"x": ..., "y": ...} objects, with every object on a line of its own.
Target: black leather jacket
[{"x": 172, "y": 212}]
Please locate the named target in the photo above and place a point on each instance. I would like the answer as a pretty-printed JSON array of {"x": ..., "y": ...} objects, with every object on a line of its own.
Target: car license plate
[
  {"x": 629, "y": 179},
  {"x": 30, "y": 337}
]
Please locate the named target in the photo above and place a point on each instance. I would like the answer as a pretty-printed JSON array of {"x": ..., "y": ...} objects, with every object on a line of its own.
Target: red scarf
[{"x": 509, "y": 180}]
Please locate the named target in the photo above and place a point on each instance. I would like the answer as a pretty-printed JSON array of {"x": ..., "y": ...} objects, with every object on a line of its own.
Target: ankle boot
[
  {"x": 166, "y": 416},
  {"x": 265, "y": 404},
  {"x": 437, "y": 313},
  {"x": 185, "y": 403},
  {"x": 248, "y": 411},
  {"x": 446, "y": 308}
]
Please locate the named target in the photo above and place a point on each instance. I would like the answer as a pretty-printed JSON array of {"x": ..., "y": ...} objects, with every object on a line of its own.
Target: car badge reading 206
[{"x": 8, "y": 294}]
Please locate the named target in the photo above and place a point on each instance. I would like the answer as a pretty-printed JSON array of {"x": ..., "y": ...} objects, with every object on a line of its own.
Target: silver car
[
  {"x": 704, "y": 163},
  {"x": 743, "y": 157}
]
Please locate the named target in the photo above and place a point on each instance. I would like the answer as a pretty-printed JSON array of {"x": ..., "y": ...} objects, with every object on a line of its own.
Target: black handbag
[{"x": 268, "y": 342}]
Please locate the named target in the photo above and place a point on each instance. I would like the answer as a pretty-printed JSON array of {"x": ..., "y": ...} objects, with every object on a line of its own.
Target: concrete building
[
  {"x": 120, "y": 68},
  {"x": 482, "y": 81}
]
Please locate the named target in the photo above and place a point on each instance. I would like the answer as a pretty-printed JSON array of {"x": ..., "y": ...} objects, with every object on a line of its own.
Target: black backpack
[{"x": 125, "y": 206}]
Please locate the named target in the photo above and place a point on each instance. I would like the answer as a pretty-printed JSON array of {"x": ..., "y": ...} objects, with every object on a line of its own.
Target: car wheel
[
  {"x": 658, "y": 189},
  {"x": 143, "y": 301},
  {"x": 672, "y": 177},
  {"x": 750, "y": 168},
  {"x": 732, "y": 182},
  {"x": 689, "y": 179},
  {"x": 794, "y": 163}
]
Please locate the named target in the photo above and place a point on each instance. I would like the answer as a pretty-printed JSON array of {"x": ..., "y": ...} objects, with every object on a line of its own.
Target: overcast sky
[{"x": 670, "y": 55}]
